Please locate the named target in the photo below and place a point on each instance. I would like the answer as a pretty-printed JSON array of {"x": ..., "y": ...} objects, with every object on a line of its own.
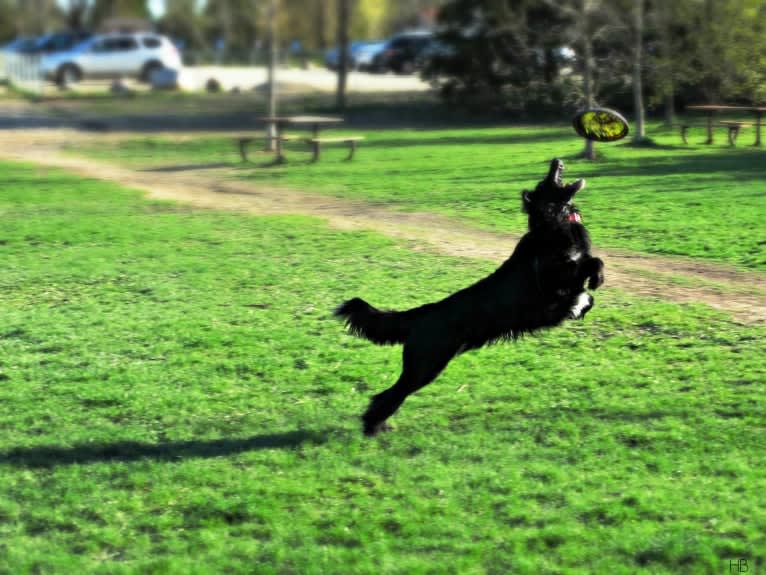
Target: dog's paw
[
  {"x": 596, "y": 281},
  {"x": 596, "y": 278},
  {"x": 371, "y": 429},
  {"x": 582, "y": 306}
]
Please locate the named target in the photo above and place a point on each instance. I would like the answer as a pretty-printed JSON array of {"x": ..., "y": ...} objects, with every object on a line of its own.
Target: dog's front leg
[{"x": 592, "y": 270}]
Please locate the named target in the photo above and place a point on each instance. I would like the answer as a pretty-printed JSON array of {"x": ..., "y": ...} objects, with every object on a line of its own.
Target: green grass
[
  {"x": 176, "y": 399},
  {"x": 697, "y": 201}
]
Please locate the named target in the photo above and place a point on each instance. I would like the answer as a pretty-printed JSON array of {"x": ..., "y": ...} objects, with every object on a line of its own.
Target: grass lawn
[
  {"x": 176, "y": 399},
  {"x": 698, "y": 201}
]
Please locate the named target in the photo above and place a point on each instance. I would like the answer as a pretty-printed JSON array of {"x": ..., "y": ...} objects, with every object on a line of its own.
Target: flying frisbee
[{"x": 600, "y": 125}]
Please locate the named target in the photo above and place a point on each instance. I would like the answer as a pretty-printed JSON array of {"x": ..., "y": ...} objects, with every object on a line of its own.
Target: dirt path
[{"x": 740, "y": 294}]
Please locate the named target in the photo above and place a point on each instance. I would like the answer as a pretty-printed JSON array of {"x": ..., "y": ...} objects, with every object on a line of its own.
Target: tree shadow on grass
[{"x": 127, "y": 451}]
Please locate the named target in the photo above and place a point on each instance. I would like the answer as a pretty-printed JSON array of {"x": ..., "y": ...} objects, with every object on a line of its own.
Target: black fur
[{"x": 539, "y": 286}]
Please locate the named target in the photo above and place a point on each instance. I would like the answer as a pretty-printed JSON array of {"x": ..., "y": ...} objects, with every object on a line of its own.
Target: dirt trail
[{"x": 741, "y": 294}]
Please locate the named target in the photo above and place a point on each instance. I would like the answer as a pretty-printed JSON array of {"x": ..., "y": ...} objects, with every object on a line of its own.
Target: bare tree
[
  {"x": 639, "y": 133},
  {"x": 75, "y": 12},
  {"x": 272, "y": 80}
]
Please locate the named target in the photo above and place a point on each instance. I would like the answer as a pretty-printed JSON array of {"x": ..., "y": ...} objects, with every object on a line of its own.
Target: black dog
[{"x": 539, "y": 286}]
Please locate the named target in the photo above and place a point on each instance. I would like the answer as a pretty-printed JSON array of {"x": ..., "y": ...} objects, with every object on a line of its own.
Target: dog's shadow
[{"x": 127, "y": 451}]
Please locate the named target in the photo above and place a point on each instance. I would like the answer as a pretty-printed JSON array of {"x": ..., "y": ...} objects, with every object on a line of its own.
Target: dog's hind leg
[{"x": 419, "y": 369}]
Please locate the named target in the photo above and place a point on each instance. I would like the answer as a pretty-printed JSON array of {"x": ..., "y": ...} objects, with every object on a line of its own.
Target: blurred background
[{"x": 514, "y": 57}]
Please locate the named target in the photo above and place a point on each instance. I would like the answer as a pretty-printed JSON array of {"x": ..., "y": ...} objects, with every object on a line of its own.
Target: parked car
[
  {"x": 58, "y": 42},
  {"x": 365, "y": 56},
  {"x": 402, "y": 53},
  {"x": 112, "y": 56},
  {"x": 354, "y": 52},
  {"x": 21, "y": 45}
]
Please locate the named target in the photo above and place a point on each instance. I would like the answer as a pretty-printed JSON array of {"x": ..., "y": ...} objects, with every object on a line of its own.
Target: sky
[{"x": 157, "y": 7}]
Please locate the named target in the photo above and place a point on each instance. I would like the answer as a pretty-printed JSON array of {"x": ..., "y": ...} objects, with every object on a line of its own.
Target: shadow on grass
[
  {"x": 126, "y": 451},
  {"x": 509, "y": 137}
]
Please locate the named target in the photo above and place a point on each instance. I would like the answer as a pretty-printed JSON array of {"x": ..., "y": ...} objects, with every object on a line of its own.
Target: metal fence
[{"x": 22, "y": 71}]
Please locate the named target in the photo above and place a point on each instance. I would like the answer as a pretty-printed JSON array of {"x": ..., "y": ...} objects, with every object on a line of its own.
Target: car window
[
  {"x": 119, "y": 44},
  {"x": 151, "y": 42}
]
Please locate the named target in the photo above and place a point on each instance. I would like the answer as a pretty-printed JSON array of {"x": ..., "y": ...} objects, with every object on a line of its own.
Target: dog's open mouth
[{"x": 555, "y": 173}]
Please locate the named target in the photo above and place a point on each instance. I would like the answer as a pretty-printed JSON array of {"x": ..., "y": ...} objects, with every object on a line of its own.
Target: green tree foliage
[
  {"x": 182, "y": 21},
  {"x": 7, "y": 20},
  {"x": 732, "y": 58},
  {"x": 74, "y": 13},
  {"x": 369, "y": 19},
  {"x": 236, "y": 22},
  {"x": 103, "y": 10},
  {"x": 504, "y": 53},
  {"x": 35, "y": 17}
]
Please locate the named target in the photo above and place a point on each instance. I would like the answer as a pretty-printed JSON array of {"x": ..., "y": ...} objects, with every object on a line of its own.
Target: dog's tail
[{"x": 382, "y": 327}]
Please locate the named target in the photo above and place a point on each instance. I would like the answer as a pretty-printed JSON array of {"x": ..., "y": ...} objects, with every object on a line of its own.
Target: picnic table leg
[
  {"x": 709, "y": 128},
  {"x": 315, "y": 144},
  {"x": 280, "y": 155},
  {"x": 243, "y": 149},
  {"x": 757, "y": 129}
]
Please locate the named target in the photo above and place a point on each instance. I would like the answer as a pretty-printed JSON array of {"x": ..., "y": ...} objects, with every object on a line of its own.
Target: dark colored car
[{"x": 403, "y": 53}]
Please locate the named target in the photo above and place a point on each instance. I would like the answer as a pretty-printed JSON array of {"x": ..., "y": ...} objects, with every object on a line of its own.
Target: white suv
[{"x": 112, "y": 56}]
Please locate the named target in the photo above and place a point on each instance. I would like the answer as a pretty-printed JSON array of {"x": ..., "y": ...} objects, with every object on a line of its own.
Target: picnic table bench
[
  {"x": 350, "y": 140},
  {"x": 279, "y": 123},
  {"x": 733, "y": 126}
]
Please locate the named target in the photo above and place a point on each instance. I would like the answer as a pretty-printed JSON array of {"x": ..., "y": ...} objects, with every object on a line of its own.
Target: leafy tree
[
  {"x": 35, "y": 17},
  {"x": 499, "y": 53},
  {"x": 7, "y": 20},
  {"x": 103, "y": 10},
  {"x": 236, "y": 22},
  {"x": 74, "y": 13},
  {"x": 182, "y": 21},
  {"x": 733, "y": 54}
]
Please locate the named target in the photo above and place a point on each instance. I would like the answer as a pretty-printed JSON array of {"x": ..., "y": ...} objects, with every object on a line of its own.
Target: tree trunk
[
  {"x": 639, "y": 133},
  {"x": 589, "y": 152},
  {"x": 272, "y": 80},
  {"x": 667, "y": 63},
  {"x": 321, "y": 23},
  {"x": 343, "y": 24},
  {"x": 670, "y": 105}
]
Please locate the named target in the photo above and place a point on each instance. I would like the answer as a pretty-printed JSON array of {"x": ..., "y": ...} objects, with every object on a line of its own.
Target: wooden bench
[
  {"x": 243, "y": 143},
  {"x": 316, "y": 144},
  {"x": 684, "y": 128},
  {"x": 734, "y": 128}
]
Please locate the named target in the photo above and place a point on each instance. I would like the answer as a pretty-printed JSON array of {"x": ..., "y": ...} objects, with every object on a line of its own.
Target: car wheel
[
  {"x": 149, "y": 69},
  {"x": 407, "y": 67},
  {"x": 67, "y": 75}
]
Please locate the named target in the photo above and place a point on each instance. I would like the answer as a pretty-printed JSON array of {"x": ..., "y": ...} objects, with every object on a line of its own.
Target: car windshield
[{"x": 59, "y": 42}]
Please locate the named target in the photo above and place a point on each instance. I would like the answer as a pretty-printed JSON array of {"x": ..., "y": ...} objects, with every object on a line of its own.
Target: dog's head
[{"x": 551, "y": 201}]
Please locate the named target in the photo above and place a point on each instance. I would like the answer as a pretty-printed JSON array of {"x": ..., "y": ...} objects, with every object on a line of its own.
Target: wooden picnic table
[
  {"x": 712, "y": 109},
  {"x": 281, "y": 122}
]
